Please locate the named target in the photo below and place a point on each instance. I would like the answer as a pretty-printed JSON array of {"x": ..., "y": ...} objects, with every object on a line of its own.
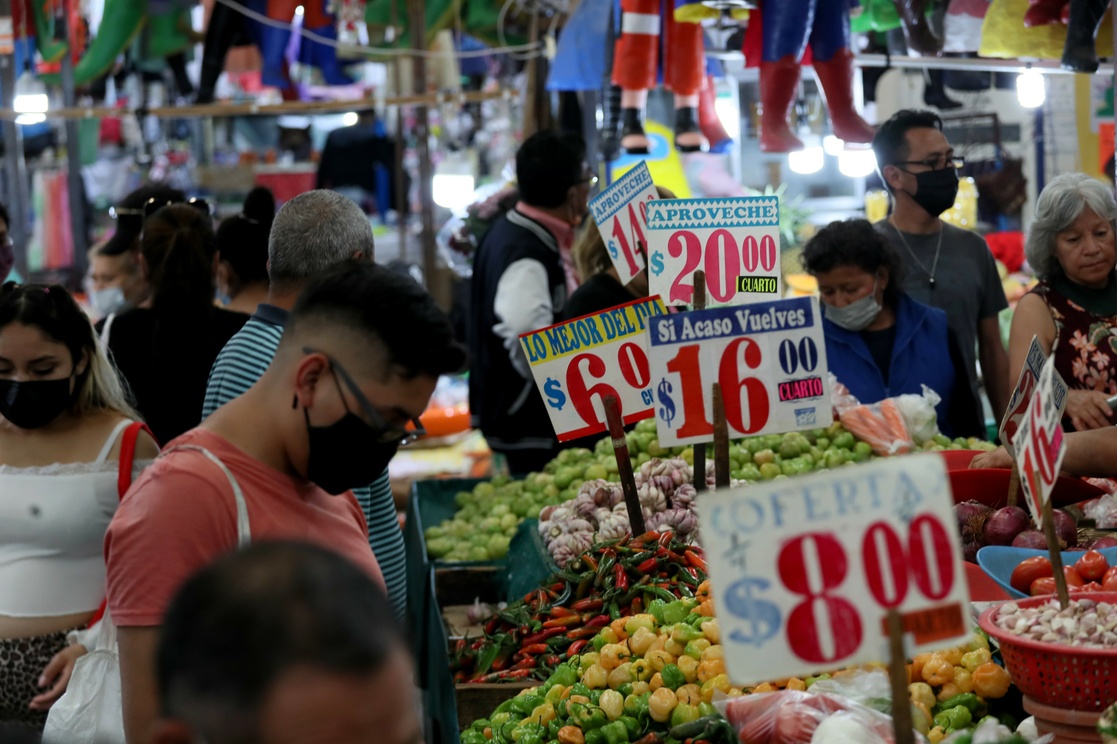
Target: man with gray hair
[{"x": 311, "y": 233}]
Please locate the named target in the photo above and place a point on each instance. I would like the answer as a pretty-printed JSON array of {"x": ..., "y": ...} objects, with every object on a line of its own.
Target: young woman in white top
[{"x": 62, "y": 412}]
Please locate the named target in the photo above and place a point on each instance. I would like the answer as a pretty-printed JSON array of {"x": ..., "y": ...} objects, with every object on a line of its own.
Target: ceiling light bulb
[{"x": 1031, "y": 90}]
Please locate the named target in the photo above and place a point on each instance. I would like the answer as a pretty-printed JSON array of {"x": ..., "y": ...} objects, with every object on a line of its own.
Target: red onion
[
  {"x": 1005, "y": 524},
  {"x": 1104, "y": 542},
  {"x": 1066, "y": 528},
  {"x": 971, "y": 516},
  {"x": 1030, "y": 539}
]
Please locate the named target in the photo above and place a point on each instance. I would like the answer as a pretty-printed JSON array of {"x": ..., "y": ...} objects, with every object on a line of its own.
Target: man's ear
[
  {"x": 308, "y": 373},
  {"x": 893, "y": 176},
  {"x": 171, "y": 731}
]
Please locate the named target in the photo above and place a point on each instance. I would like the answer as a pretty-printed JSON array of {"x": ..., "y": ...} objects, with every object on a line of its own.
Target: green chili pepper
[
  {"x": 500, "y": 719},
  {"x": 625, "y": 689},
  {"x": 565, "y": 675},
  {"x": 587, "y": 718},
  {"x": 615, "y": 733},
  {"x": 473, "y": 737},
  {"x": 673, "y": 677},
  {"x": 705, "y": 709},
  {"x": 675, "y": 612},
  {"x": 954, "y": 719},
  {"x": 637, "y": 706},
  {"x": 599, "y": 642},
  {"x": 633, "y": 727},
  {"x": 521, "y": 733},
  {"x": 655, "y": 609},
  {"x": 524, "y": 704},
  {"x": 968, "y": 700},
  {"x": 687, "y": 633},
  {"x": 481, "y": 724},
  {"x": 683, "y": 713},
  {"x": 553, "y": 729},
  {"x": 579, "y": 688}
]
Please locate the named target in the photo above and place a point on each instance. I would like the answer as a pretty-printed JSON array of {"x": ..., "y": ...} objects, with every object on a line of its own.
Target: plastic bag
[
  {"x": 871, "y": 688},
  {"x": 992, "y": 731},
  {"x": 794, "y": 717},
  {"x": 1102, "y": 510},
  {"x": 90, "y": 711},
  {"x": 919, "y": 414}
]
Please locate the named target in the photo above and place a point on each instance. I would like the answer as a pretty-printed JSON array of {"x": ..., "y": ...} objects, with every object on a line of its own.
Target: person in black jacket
[{"x": 519, "y": 285}]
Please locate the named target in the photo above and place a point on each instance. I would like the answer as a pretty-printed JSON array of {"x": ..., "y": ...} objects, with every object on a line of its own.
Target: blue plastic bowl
[{"x": 999, "y": 561}]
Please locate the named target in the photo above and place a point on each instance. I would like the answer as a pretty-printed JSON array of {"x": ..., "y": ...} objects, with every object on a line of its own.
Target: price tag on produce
[
  {"x": 1039, "y": 441},
  {"x": 736, "y": 242},
  {"x": 1022, "y": 395},
  {"x": 577, "y": 363},
  {"x": 620, "y": 212},
  {"x": 768, "y": 357},
  {"x": 804, "y": 572}
]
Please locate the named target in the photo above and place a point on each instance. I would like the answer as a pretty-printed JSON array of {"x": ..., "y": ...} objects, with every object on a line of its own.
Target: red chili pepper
[
  {"x": 476, "y": 645},
  {"x": 649, "y": 536},
  {"x": 535, "y": 649},
  {"x": 501, "y": 663},
  {"x": 562, "y": 612},
  {"x": 542, "y": 636},
  {"x": 666, "y": 538},
  {"x": 491, "y": 626},
  {"x": 588, "y": 604},
  {"x": 528, "y": 662},
  {"x": 576, "y": 648},
  {"x": 589, "y": 561},
  {"x": 580, "y": 633},
  {"x": 620, "y": 578},
  {"x": 556, "y": 587},
  {"x": 637, "y": 605},
  {"x": 552, "y": 660},
  {"x": 598, "y": 622},
  {"x": 647, "y": 566},
  {"x": 498, "y": 676},
  {"x": 564, "y": 622},
  {"x": 695, "y": 560}
]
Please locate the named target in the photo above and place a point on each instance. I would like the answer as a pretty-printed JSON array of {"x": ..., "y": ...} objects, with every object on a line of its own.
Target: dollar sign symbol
[
  {"x": 657, "y": 263},
  {"x": 613, "y": 248},
  {"x": 556, "y": 399},
  {"x": 667, "y": 413},
  {"x": 762, "y": 618}
]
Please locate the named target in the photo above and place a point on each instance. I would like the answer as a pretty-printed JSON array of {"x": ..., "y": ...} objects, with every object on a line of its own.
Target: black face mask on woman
[{"x": 35, "y": 403}]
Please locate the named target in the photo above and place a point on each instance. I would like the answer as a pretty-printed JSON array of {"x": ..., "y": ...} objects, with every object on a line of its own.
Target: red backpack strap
[{"x": 128, "y": 455}]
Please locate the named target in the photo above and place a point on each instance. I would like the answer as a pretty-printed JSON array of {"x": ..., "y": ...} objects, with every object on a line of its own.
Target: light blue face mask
[
  {"x": 222, "y": 298},
  {"x": 106, "y": 301},
  {"x": 857, "y": 315}
]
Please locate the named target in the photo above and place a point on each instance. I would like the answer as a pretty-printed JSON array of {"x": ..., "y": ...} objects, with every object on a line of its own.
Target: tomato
[
  {"x": 1109, "y": 574},
  {"x": 1044, "y": 585},
  {"x": 1073, "y": 577},
  {"x": 1091, "y": 566},
  {"x": 1028, "y": 571},
  {"x": 1091, "y": 586},
  {"x": 1110, "y": 583}
]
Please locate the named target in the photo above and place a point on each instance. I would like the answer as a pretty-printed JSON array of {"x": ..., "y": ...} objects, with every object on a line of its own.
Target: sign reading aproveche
[
  {"x": 1022, "y": 396},
  {"x": 620, "y": 212}
]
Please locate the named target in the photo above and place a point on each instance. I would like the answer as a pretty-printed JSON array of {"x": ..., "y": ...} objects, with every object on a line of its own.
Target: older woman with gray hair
[{"x": 1073, "y": 309}]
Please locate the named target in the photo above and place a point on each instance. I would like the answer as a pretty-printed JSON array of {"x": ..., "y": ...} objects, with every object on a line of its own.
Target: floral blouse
[{"x": 1085, "y": 344}]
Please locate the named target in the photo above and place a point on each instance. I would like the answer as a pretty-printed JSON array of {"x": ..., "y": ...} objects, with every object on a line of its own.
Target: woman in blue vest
[{"x": 880, "y": 343}]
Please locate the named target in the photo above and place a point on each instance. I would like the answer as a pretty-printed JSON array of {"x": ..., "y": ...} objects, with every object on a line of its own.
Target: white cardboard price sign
[
  {"x": 620, "y": 214},
  {"x": 736, "y": 242},
  {"x": 577, "y": 363},
  {"x": 769, "y": 358},
  {"x": 1021, "y": 396},
  {"x": 804, "y": 571},
  {"x": 1039, "y": 441}
]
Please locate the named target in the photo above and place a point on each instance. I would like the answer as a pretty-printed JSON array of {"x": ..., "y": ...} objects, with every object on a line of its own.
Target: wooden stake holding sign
[
  {"x": 624, "y": 465},
  {"x": 700, "y": 449},
  {"x": 721, "y": 441},
  {"x": 1017, "y": 408},
  {"x": 1055, "y": 554},
  {"x": 898, "y": 676}
]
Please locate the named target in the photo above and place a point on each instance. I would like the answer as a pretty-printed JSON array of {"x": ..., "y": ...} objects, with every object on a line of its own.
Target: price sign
[
  {"x": 1022, "y": 395},
  {"x": 769, "y": 358},
  {"x": 579, "y": 362},
  {"x": 805, "y": 571},
  {"x": 620, "y": 212},
  {"x": 1039, "y": 441},
  {"x": 736, "y": 242}
]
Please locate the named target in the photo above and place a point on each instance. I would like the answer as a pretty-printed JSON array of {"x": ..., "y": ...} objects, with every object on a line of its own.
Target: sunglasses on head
[{"x": 154, "y": 205}]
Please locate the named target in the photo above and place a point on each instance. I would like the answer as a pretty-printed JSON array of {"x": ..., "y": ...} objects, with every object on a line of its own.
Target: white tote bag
[{"x": 91, "y": 710}]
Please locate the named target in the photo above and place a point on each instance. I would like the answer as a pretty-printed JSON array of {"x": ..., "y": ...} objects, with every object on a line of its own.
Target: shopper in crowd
[
  {"x": 283, "y": 642},
  {"x": 1073, "y": 309},
  {"x": 360, "y": 162},
  {"x": 519, "y": 285},
  {"x": 165, "y": 353},
  {"x": 62, "y": 417},
  {"x": 116, "y": 281},
  {"x": 947, "y": 267},
  {"x": 7, "y": 249},
  {"x": 601, "y": 287},
  {"x": 881, "y": 343},
  {"x": 348, "y": 378},
  {"x": 242, "y": 250},
  {"x": 312, "y": 232}
]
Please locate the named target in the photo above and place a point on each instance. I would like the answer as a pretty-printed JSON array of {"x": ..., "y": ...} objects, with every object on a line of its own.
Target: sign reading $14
[
  {"x": 768, "y": 357},
  {"x": 620, "y": 212},
  {"x": 579, "y": 362}
]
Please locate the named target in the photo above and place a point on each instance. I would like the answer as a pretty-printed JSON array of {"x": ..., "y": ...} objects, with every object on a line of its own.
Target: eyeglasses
[
  {"x": 940, "y": 163},
  {"x": 154, "y": 205},
  {"x": 386, "y": 434}
]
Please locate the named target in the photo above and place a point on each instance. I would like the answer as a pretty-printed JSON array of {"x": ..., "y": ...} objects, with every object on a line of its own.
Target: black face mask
[
  {"x": 936, "y": 190},
  {"x": 346, "y": 454},
  {"x": 34, "y": 404}
]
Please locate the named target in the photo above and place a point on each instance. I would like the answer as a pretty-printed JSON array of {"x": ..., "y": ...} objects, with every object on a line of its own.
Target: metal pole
[
  {"x": 418, "y": 10},
  {"x": 15, "y": 169},
  {"x": 74, "y": 187}
]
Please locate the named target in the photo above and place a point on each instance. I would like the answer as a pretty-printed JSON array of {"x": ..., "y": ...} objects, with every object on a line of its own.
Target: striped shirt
[{"x": 240, "y": 364}]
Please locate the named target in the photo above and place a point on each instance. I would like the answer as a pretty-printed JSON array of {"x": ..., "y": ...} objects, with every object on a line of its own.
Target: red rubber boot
[
  {"x": 835, "y": 77},
  {"x": 779, "y": 85}
]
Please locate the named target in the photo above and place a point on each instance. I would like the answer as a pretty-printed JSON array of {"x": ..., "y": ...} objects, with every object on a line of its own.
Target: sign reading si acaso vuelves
[
  {"x": 578, "y": 363},
  {"x": 735, "y": 242},
  {"x": 768, "y": 357},
  {"x": 620, "y": 212},
  {"x": 804, "y": 571}
]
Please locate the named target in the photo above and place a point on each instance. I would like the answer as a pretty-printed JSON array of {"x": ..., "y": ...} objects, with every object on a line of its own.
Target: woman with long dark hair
[{"x": 165, "y": 352}]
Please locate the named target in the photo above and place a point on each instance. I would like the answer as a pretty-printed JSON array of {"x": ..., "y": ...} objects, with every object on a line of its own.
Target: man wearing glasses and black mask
[
  {"x": 947, "y": 267},
  {"x": 522, "y": 274},
  {"x": 359, "y": 358}
]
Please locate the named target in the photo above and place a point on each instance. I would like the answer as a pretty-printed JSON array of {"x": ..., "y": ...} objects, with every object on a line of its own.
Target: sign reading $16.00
[{"x": 768, "y": 357}]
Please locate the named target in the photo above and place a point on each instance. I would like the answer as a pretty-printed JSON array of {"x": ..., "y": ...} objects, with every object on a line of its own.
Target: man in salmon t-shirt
[{"x": 357, "y": 363}]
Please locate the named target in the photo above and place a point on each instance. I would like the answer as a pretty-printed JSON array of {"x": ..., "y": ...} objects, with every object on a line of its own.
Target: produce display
[
  {"x": 613, "y": 580},
  {"x": 1090, "y": 573},
  {"x": 980, "y": 526},
  {"x": 1084, "y": 623}
]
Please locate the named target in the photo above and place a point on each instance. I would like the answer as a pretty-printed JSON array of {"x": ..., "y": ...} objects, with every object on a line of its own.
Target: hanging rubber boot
[
  {"x": 934, "y": 91},
  {"x": 835, "y": 78},
  {"x": 921, "y": 38},
  {"x": 225, "y": 24},
  {"x": 708, "y": 120},
  {"x": 177, "y": 63},
  {"x": 686, "y": 122},
  {"x": 1043, "y": 12},
  {"x": 633, "y": 139},
  {"x": 1080, "y": 51},
  {"x": 611, "y": 115},
  {"x": 779, "y": 86}
]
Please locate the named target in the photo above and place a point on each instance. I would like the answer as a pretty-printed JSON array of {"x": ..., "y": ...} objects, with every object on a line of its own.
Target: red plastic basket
[{"x": 1064, "y": 677}]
